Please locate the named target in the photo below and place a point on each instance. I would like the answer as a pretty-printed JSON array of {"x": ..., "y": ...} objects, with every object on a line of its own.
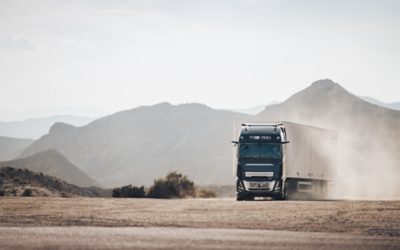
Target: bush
[
  {"x": 174, "y": 185},
  {"x": 129, "y": 191},
  {"x": 206, "y": 193},
  {"x": 27, "y": 192}
]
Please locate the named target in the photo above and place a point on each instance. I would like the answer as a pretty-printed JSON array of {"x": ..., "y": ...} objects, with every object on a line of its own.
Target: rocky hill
[
  {"x": 138, "y": 145},
  {"x": 12, "y": 147},
  {"x": 52, "y": 163},
  {"x": 23, "y": 182}
]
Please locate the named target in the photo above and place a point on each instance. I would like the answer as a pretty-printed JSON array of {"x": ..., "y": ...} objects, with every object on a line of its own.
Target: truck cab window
[{"x": 260, "y": 150}]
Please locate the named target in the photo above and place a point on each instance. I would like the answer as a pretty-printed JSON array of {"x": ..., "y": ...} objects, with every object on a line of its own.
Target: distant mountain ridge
[
  {"x": 52, "y": 163},
  {"x": 256, "y": 109},
  {"x": 393, "y": 105},
  {"x": 138, "y": 145},
  {"x": 12, "y": 147},
  {"x": 35, "y": 128},
  {"x": 251, "y": 111}
]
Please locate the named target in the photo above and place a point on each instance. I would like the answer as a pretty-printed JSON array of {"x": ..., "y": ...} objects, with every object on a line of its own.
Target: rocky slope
[
  {"x": 23, "y": 182},
  {"x": 52, "y": 163}
]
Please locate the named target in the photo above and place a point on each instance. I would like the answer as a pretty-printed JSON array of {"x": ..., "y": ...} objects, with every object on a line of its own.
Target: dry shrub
[
  {"x": 129, "y": 192},
  {"x": 174, "y": 185},
  {"x": 27, "y": 192}
]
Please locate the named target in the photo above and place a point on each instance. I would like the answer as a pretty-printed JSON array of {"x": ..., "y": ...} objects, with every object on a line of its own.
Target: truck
[{"x": 284, "y": 160}]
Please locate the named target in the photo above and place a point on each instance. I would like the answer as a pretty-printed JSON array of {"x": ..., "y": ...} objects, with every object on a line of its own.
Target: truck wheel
[
  {"x": 283, "y": 195},
  {"x": 244, "y": 198},
  {"x": 241, "y": 197},
  {"x": 323, "y": 190}
]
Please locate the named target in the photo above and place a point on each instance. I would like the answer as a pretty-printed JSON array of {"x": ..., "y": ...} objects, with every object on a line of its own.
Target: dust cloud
[
  {"x": 367, "y": 154},
  {"x": 367, "y": 168}
]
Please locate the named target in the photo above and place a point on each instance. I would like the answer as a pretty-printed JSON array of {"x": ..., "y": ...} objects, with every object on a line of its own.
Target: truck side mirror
[
  {"x": 285, "y": 142},
  {"x": 235, "y": 142}
]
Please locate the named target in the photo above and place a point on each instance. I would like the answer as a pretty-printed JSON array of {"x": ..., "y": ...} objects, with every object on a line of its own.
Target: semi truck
[{"x": 284, "y": 160}]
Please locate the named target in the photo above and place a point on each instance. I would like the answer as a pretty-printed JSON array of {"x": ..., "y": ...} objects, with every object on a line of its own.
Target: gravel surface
[
  {"x": 350, "y": 217},
  {"x": 182, "y": 238}
]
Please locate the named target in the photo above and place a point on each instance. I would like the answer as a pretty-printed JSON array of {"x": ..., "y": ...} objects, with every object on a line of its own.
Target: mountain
[
  {"x": 138, "y": 145},
  {"x": 35, "y": 128},
  {"x": 254, "y": 110},
  {"x": 12, "y": 147},
  {"x": 369, "y": 135},
  {"x": 52, "y": 163},
  {"x": 326, "y": 103},
  {"x": 251, "y": 111},
  {"x": 393, "y": 105},
  {"x": 23, "y": 182},
  {"x": 48, "y": 111}
]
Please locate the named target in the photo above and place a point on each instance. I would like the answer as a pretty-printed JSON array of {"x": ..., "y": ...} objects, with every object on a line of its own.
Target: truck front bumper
[{"x": 247, "y": 188}]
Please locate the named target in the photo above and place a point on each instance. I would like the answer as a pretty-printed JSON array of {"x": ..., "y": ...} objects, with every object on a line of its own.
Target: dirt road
[{"x": 203, "y": 223}]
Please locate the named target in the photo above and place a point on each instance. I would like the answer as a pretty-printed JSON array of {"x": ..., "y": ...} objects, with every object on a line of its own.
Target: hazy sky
[{"x": 113, "y": 55}]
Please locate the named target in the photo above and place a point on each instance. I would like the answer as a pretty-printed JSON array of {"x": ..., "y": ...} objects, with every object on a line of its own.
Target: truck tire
[
  {"x": 244, "y": 197},
  {"x": 284, "y": 193}
]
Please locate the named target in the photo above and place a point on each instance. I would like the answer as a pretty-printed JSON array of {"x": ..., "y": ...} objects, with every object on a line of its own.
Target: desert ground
[{"x": 105, "y": 223}]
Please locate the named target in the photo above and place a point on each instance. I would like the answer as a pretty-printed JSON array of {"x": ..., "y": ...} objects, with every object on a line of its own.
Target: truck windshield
[{"x": 260, "y": 150}]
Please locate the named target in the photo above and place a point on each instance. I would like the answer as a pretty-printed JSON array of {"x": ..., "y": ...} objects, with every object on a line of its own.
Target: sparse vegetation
[
  {"x": 206, "y": 193},
  {"x": 23, "y": 182},
  {"x": 174, "y": 185},
  {"x": 129, "y": 192}
]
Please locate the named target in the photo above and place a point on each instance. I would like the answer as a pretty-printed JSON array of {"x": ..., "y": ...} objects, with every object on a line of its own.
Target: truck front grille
[{"x": 259, "y": 185}]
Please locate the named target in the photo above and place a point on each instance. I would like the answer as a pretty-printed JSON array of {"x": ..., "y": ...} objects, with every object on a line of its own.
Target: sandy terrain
[
  {"x": 346, "y": 223},
  {"x": 182, "y": 238}
]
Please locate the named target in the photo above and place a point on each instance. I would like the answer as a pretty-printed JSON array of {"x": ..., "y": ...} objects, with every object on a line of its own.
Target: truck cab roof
[
  {"x": 267, "y": 133},
  {"x": 261, "y": 128}
]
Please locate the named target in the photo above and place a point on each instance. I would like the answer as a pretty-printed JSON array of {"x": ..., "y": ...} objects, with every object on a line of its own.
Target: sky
[{"x": 91, "y": 57}]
